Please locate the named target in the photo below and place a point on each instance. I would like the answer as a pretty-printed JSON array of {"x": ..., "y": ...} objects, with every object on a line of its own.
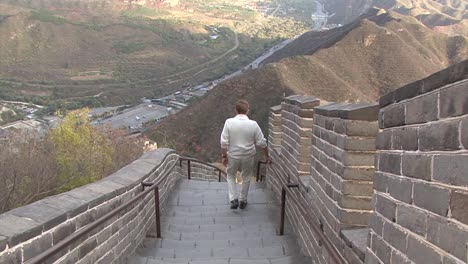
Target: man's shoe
[
  {"x": 243, "y": 204},
  {"x": 234, "y": 204}
]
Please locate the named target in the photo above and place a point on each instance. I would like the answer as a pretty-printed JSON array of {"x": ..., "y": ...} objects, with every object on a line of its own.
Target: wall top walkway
[
  {"x": 437, "y": 80},
  {"x": 351, "y": 111}
]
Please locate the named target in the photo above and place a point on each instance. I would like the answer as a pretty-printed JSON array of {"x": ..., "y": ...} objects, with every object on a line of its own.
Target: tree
[{"x": 83, "y": 153}]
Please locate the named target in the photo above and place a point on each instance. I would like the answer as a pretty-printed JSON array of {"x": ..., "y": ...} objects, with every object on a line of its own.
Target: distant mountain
[
  {"x": 446, "y": 16},
  {"x": 375, "y": 54}
]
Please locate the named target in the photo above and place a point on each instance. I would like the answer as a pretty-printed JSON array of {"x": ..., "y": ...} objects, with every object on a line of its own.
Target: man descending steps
[
  {"x": 239, "y": 138},
  {"x": 198, "y": 227}
]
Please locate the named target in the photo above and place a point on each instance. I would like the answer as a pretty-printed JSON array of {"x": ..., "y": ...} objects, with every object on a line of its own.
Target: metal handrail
[
  {"x": 152, "y": 186},
  {"x": 88, "y": 228},
  {"x": 259, "y": 164},
  {"x": 334, "y": 254},
  {"x": 189, "y": 171}
]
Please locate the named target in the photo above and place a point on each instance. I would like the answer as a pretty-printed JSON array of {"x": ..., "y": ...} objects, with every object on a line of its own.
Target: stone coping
[
  {"x": 276, "y": 109},
  {"x": 450, "y": 75},
  {"x": 356, "y": 239},
  {"x": 359, "y": 111},
  {"x": 303, "y": 101},
  {"x": 24, "y": 223}
]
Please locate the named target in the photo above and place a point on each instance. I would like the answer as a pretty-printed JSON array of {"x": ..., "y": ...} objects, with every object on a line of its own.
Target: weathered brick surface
[
  {"x": 420, "y": 186},
  {"x": 27, "y": 231}
]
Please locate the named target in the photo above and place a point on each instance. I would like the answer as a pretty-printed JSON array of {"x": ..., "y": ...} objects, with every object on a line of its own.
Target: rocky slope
[{"x": 373, "y": 55}]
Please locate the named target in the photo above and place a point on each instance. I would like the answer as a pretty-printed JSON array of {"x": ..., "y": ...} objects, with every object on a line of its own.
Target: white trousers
[{"x": 246, "y": 168}]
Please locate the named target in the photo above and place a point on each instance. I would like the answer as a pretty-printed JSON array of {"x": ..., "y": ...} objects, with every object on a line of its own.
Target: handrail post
[
  {"x": 283, "y": 210},
  {"x": 157, "y": 212},
  {"x": 258, "y": 170},
  {"x": 189, "y": 171},
  {"x": 219, "y": 176}
]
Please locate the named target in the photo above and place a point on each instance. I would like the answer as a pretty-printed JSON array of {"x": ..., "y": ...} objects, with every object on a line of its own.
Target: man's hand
[
  {"x": 224, "y": 160},
  {"x": 268, "y": 160}
]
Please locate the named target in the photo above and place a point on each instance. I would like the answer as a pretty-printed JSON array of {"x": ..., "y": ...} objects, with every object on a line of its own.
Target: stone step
[
  {"x": 183, "y": 228},
  {"x": 204, "y": 185},
  {"x": 237, "y": 234},
  {"x": 269, "y": 260},
  {"x": 152, "y": 243},
  {"x": 220, "y": 252},
  {"x": 230, "y": 220},
  {"x": 220, "y": 210}
]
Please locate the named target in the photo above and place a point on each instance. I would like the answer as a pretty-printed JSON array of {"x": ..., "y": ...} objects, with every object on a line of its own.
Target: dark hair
[{"x": 242, "y": 107}]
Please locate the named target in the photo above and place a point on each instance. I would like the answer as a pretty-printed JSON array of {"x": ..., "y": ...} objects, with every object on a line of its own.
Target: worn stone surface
[
  {"x": 41, "y": 213},
  {"x": 413, "y": 219},
  {"x": 432, "y": 198},
  {"x": 439, "y": 136},
  {"x": 18, "y": 229},
  {"x": 417, "y": 166},
  {"x": 459, "y": 206},
  {"x": 422, "y": 110},
  {"x": 454, "y": 100},
  {"x": 451, "y": 169}
]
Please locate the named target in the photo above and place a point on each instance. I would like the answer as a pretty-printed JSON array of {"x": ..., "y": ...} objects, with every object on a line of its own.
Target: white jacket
[{"x": 240, "y": 136}]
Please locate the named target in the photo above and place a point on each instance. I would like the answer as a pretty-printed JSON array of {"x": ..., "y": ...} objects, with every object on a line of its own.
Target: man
[{"x": 239, "y": 138}]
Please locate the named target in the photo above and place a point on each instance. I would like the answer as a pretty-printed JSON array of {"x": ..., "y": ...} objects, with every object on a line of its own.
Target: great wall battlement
[
  {"x": 385, "y": 183},
  {"x": 381, "y": 183}
]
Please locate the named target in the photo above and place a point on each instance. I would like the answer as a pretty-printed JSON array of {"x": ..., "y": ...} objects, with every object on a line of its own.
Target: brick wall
[
  {"x": 421, "y": 184},
  {"x": 296, "y": 132},
  {"x": 334, "y": 171},
  {"x": 274, "y": 127},
  {"x": 29, "y": 230},
  {"x": 342, "y": 170}
]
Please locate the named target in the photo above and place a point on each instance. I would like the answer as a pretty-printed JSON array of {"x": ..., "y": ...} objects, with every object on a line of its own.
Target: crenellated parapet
[
  {"x": 296, "y": 132},
  {"x": 421, "y": 182},
  {"x": 385, "y": 183},
  {"x": 29, "y": 230}
]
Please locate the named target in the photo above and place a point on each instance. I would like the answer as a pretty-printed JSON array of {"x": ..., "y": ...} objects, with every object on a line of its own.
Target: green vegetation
[
  {"x": 128, "y": 47},
  {"x": 141, "y": 11},
  {"x": 74, "y": 153},
  {"x": 47, "y": 16}
]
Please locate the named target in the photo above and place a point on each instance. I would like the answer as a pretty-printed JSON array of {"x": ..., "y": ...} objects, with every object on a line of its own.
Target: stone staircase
[{"x": 198, "y": 227}]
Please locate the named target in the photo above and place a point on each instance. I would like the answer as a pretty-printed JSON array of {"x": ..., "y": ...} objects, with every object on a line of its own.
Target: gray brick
[
  {"x": 389, "y": 162},
  {"x": 405, "y": 138},
  {"x": 371, "y": 258},
  {"x": 451, "y": 260},
  {"x": 451, "y": 169},
  {"x": 385, "y": 207},
  {"x": 422, "y": 109},
  {"x": 439, "y": 136},
  {"x": 87, "y": 247},
  {"x": 412, "y": 219},
  {"x": 447, "y": 236},
  {"x": 432, "y": 198},
  {"x": 384, "y": 140},
  {"x": 420, "y": 252},
  {"x": 18, "y": 229},
  {"x": 381, "y": 249},
  {"x": 376, "y": 223},
  {"x": 459, "y": 206},
  {"x": 464, "y": 132},
  {"x": 395, "y": 236},
  {"x": 394, "y": 115},
  {"x": 400, "y": 189},
  {"x": 42, "y": 213},
  {"x": 361, "y": 128},
  {"x": 12, "y": 257},
  {"x": 63, "y": 231},
  {"x": 3, "y": 243},
  {"x": 381, "y": 182},
  {"x": 417, "y": 166},
  {"x": 399, "y": 258},
  {"x": 37, "y": 246},
  {"x": 454, "y": 100}
]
